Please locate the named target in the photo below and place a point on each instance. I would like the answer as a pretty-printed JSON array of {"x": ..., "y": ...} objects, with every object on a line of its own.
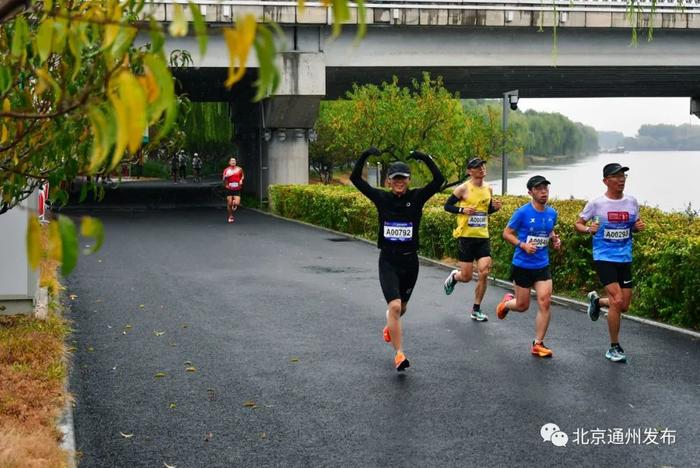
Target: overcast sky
[{"x": 624, "y": 115}]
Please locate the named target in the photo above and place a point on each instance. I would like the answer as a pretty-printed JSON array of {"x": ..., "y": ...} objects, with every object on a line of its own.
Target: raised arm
[
  {"x": 356, "y": 175},
  {"x": 434, "y": 185}
]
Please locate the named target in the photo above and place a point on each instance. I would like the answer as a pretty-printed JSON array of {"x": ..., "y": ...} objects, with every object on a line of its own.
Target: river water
[{"x": 669, "y": 180}]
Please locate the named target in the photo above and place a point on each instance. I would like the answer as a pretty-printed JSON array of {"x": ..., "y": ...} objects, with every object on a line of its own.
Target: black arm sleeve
[
  {"x": 451, "y": 204},
  {"x": 358, "y": 181},
  {"x": 491, "y": 208}
]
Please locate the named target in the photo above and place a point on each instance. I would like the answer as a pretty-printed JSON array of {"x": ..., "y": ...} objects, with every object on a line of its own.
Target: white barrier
[{"x": 18, "y": 282}]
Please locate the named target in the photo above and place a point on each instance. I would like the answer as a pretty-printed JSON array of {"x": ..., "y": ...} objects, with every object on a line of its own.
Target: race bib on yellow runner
[
  {"x": 477, "y": 220},
  {"x": 616, "y": 234},
  {"x": 537, "y": 241},
  {"x": 398, "y": 232}
]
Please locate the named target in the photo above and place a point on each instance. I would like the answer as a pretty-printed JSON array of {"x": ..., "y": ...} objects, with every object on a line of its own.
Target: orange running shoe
[
  {"x": 501, "y": 310},
  {"x": 401, "y": 362},
  {"x": 387, "y": 336},
  {"x": 539, "y": 349}
]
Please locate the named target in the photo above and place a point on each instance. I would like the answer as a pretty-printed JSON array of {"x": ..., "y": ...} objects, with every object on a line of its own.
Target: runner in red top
[{"x": 233, "y": 183}]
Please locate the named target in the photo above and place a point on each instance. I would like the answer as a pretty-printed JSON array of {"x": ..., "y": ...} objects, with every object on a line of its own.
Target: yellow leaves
[
  {"x": 92, "y": 227},
  {"x": 44, "y": 37},
  {"x": 149, "y": 84},
  {"x": 239, "y": 40},
  {"x": 126, "y": 435},
  {"x": 102, "y": 141},
  {"x": 178, "y": 28},
  {"x": 4, "y": 135},
  {"x": 112, "y": 30},
  {"x": 46, "y": 81},
  {"x": 129, "y": 101},
  {"x": 34, "y": 242}
]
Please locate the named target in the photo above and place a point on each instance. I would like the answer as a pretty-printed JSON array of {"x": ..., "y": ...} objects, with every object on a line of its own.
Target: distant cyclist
[
  {"x": 399, "y": 211},
  {"x": 233, "y": 184},
  {"x": 472, "y": 202},
  {"x": 530, "y": 230},
  {"x": 614, "y": 216}
]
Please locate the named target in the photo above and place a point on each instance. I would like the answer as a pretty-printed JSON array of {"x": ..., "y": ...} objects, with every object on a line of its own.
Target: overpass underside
[
  {"x": 478, "y": 82},
  {"x": 476, "y": 62}
]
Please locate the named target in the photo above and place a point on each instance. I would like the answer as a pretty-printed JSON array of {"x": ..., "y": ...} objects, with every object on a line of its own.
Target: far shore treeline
[{"x": 662, "y": 137}]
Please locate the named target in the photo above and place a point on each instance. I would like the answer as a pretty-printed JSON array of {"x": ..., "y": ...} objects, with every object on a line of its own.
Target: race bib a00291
[{"x": 616, "y": 234}]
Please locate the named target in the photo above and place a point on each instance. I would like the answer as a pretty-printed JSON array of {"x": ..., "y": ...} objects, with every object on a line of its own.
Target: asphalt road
[{"x": 283, "y": 322}]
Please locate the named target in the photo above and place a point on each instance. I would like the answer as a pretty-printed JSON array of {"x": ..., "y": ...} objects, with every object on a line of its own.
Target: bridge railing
[
  {"x": 287, "y": 11},
  {"x": 612, "y": 5}
]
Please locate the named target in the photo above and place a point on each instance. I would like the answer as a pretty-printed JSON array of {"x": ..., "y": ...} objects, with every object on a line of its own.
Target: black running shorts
[
  {"x": 614, "y": 272},
  {"x": 397, "y": 274},
  {"x": 232, "y": 193},
  {"x": 473, "y": 248},
  {"x": 526, "y": 278}
]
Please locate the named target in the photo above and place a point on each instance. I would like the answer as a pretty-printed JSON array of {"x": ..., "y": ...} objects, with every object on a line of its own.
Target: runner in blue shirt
[
  {"x": 614, "y": 216},
  {"x": 530, "y": 230}
]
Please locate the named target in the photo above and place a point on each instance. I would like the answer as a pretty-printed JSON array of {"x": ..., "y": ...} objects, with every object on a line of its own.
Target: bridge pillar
[{"x": 274, "y": 136}]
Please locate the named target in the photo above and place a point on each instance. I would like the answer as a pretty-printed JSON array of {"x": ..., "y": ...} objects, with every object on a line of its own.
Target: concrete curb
[
  {"x": 65, "y": 425},
  {"x": 564, "y": 301}
]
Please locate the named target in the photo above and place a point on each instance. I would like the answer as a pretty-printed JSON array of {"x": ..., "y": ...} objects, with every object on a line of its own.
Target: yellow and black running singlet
[{"x": 476, "y": 225}]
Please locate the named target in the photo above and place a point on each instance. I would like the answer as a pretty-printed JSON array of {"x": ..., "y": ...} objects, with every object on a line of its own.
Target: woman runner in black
[{"x": 399, "y": 211}]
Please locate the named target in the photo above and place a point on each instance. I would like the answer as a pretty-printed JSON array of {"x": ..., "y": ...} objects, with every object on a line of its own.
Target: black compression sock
[{"x": 476, "y": 308}]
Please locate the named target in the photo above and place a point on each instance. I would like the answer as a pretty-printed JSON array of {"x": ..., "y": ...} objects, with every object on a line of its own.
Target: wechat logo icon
[{"x": 550, "y": 432}]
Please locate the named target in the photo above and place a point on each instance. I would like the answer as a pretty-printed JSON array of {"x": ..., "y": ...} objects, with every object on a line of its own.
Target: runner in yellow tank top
[{"x": 472, "y": 202}]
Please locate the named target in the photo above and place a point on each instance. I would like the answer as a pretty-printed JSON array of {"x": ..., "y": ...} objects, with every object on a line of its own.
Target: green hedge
[{"x": 666, "y": 264}]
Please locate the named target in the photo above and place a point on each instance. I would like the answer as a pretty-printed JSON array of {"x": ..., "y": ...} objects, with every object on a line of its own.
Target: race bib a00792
[{"x": 398, "y": 232}]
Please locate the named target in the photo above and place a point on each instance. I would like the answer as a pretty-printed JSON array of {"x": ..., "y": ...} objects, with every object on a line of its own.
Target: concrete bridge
[{"x": 482, "y": 48}]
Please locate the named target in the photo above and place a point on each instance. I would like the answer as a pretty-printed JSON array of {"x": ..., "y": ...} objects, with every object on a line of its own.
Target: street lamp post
[{"x": 510, "y": 99}]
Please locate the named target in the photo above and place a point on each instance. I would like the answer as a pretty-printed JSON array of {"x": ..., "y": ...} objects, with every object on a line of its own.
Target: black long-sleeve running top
[{"x": 399, "y": 215}]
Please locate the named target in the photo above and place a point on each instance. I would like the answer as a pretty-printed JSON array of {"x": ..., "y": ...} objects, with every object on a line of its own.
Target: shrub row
[{"x": 666, "y": 265}]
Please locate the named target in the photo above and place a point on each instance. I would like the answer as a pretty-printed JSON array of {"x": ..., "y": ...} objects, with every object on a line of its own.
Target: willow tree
[
  {"x": 396, "y": 119},
  {"x": 77, "y": 94}
]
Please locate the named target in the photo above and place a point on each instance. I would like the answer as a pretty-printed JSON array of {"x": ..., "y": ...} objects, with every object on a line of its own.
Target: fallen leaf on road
[
  {"x": 294, "y": 359},
  {"x": 249, "y": 403},
  {"x": 72, "y": 349},
  {"x": 158, "y": 333},
  {"x": 263, "y": 435},
  {"x": 160, "y": 374},
  {"x": 73, "y": 297},
  {"x": 188, "y": 363},
  {"x": 90, "y": 349},
  {"x": 141, "y": 306},
  {"x": 208, "y": 436},
  {"x": 169, "y": 466},
  {"x": 173, "y": 344},
  {"x": 109, "y": 326},
  {"x": 128, "y": 326},
  {"x": 98, "y": 300},
  {"x": 99, "y": 261},
  {"x": 191, "y": 369},
  {"x": 126, "y": 436},
  {"x": 172, "y": 405}
]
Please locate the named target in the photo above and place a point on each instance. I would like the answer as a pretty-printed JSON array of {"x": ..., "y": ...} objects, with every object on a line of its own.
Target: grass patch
[{"x": 33, "y": 369}]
